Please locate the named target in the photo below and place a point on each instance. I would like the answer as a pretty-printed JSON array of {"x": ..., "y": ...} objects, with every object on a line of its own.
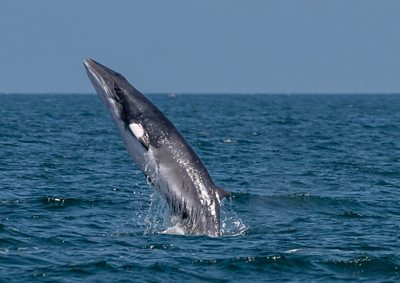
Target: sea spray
[
  {"x": 153, "y": 215},
  {"x": 231, "y": 223}
]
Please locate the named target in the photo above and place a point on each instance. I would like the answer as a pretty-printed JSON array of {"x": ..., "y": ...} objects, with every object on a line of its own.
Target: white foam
[
  {"x": 292, "y": 251},
  {"x": 174, "y": 230}
]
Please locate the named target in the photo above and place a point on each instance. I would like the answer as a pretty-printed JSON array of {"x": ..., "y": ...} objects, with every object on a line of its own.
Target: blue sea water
[{"x": 315, "y": 181}]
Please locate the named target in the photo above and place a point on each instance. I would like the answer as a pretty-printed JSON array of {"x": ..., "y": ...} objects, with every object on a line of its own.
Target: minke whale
[{"x": 161, "y": 153}]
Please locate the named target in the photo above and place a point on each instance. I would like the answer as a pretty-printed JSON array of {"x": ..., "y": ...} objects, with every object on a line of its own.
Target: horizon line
[{"x": 210, "y": 93}]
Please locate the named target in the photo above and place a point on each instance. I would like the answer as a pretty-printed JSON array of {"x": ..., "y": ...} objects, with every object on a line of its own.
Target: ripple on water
[{"x": 314, "y": 181}]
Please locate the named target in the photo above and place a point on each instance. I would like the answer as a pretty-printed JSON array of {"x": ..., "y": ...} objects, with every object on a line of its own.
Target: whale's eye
[
  {"x": 118, "y": 94},
  {"x": 117, "y": 90}
]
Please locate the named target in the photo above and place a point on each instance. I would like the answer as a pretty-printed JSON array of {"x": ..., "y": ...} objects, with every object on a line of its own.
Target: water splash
[
  {"x": 155, "y": 217},
  {"x": 174, "y": 230},
  {"x": 147, "y": 207},
  {"x": 231, "y": 224}
]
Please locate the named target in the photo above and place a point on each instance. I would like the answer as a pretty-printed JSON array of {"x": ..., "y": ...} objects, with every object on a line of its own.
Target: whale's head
[
  {"x": 125, "y": 103},
  {"x": 140, "y": 122},
  {"x": 129, "y": 109},
  {"x": 132, "y": 112}
]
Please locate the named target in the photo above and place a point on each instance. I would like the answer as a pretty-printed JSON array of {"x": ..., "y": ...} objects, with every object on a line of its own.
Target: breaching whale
[{"x": 161, "y": 153}]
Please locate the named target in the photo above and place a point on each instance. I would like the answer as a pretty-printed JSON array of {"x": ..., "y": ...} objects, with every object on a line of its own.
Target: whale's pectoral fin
[
  {"x": 222, "y": 193},
  {"x": 139, "y": 132}
]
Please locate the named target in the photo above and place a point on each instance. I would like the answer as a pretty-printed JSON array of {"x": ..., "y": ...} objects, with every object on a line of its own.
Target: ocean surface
[{"x": 315, "y": 183}]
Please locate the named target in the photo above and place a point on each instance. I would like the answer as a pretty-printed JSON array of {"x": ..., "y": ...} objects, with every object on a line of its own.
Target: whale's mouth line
[{"x": 107, "y": 92}]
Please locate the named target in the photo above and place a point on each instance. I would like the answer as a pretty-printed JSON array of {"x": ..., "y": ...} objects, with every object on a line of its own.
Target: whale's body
[{"x": 161, "y": 153}]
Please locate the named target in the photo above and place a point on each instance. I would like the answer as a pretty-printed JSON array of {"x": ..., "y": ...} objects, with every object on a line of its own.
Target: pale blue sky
[{"x": 349, "y": 46}]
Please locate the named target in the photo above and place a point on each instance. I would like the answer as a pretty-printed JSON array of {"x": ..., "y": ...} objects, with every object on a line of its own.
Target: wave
[
  {"x": 364, "y": 265},
  {"x": 346, "y": 207},
  {"x": 296, "y": 197},
  {"x": 63, "y": 202}
]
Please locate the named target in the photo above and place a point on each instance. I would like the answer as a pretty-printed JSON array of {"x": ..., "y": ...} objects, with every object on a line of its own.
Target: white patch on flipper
[{"x": 137, "y": 130}]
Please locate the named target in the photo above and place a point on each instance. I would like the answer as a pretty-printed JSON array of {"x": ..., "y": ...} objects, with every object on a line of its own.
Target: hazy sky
[{"x": 203, "y": 46}]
